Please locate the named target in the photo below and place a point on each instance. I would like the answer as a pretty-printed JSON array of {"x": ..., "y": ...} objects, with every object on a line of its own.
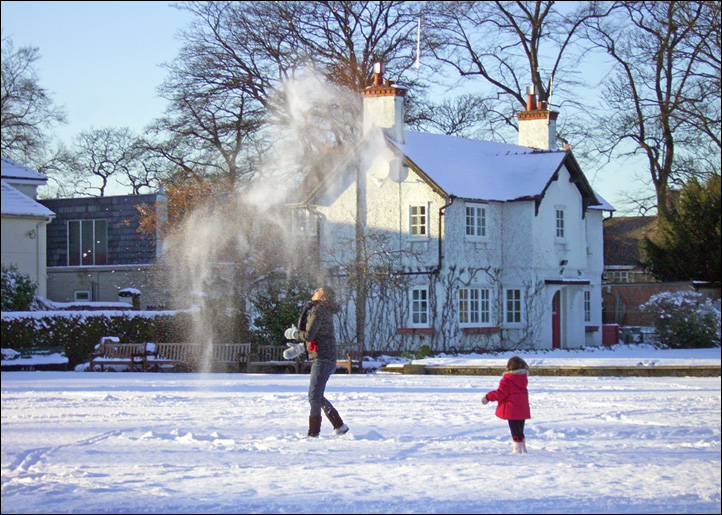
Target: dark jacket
[
  {"x": 512, "y": 396},
  {"x": 316, "y": 325}
]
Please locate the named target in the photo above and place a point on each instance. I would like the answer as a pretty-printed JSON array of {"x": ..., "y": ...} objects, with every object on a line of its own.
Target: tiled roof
[{"x": 622, "y": 237}]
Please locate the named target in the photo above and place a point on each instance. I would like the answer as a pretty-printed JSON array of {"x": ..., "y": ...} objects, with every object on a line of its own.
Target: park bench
[
  {"x": 349, "y": 356},
  {"x": 35, "y": 358},
  {"x": 110, "y": 352},
  {"x": 270, "y": 358},
  {"x": 156, "y": 356}
]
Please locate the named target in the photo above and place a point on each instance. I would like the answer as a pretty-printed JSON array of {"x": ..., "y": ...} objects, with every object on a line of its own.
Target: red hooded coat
[{"x": 512, "y": 396}]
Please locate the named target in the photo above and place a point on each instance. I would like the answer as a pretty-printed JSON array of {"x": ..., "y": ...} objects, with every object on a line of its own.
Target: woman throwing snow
[{"x": 315, "y": 331}]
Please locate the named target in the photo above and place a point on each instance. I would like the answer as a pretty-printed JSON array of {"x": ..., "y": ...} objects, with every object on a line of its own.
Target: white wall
[{"x": 26, "y": 252}]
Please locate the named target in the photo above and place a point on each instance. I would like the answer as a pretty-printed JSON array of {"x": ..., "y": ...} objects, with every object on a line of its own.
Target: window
[
  {"x": 476, "y": 221},
  {"x": 587, "y": 306},
  {"x": 418, "y": 221},
  {"x": 81, "y": 295},
  {"x": 87, "y": 242},
  {"x": 474, "y": 306},
  {"x": 560, "y": 223},
  {"x": 419, "y": 307},
  {"x": 513, "y": 306},
  {"x": 304, "y": 223}
]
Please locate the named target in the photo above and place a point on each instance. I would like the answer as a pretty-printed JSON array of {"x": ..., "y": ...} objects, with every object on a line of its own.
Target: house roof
[
  {"x": 14, "y": 171},
  {"x": 482, "y": 170},
  {"x": 15, "y": 203},
  {"x": 622, "y": 237},
  {"x": 491, "y": 171}
]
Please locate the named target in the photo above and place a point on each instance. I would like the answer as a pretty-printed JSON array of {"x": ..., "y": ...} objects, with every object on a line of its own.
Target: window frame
[
  {"x": 85, "y": 233},
  {"x": 518, "y": 311},
  {"x": 478, "y": 312},
  {"x": 419, "y": 307},
  {"x": 478, "y": 218},
  {"x": 559, "y": 223},
  {"x": 413, "y": 221}
]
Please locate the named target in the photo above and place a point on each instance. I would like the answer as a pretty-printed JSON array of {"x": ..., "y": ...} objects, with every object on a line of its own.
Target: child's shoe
[{"x": 517, "y": 448}]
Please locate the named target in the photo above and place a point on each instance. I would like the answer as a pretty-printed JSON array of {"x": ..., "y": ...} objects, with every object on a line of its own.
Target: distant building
[
  {"x": 95, "y": 250},
  {"x": 622, "y": 254}
]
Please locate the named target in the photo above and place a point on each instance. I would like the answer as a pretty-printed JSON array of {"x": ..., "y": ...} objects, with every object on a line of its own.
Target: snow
[
  {"x": 498, "y": 171},
  {"x": 15, "y": 203},
  {"x": 15, "y": 171},
  {"x": 87, "y": 442}
]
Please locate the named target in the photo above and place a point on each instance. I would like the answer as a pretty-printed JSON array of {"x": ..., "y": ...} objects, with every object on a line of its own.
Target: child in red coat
[{"x": 513, "y": 400}]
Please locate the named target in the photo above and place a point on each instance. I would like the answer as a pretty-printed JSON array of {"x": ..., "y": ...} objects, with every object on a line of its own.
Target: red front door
[{"x": 556, "y": 321}]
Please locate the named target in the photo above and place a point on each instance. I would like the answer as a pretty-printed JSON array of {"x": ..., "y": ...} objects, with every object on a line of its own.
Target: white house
[
  {"x": 461, "y": 243},
  {"x": 24, "y": 222}
]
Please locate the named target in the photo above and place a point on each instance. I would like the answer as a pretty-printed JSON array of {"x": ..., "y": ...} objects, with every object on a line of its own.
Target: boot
[
  {"x": 517, "y": 448},
  {"x": 314, "y": 426},
  {"x": 523, "y": 446},
  {"x": 339, "y": 427}
]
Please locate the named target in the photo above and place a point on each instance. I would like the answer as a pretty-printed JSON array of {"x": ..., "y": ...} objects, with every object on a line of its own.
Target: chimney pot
[
  {"x": 531, "y": 98},
  {"x": 378, "y": 74}
]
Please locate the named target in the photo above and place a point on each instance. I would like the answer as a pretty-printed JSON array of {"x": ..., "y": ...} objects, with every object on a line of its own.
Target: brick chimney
[
  {"x": 537, "y": 125},
  {"x": 383, "y": 106}
]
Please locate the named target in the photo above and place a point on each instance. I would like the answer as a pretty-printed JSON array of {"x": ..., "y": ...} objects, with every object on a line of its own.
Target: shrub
[
  {"x": 79, "y": 331},
  {"x": 18, "y": 290},
  {"x": 684, "y": 320},
  {"x": 278, "y": 307}
]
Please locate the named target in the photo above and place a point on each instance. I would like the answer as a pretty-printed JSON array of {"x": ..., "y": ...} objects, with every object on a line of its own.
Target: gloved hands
[
  {"x": 291, "y": 332},
  {"x": 484, "y": 400},
  {"x": 294, "y": 349}
]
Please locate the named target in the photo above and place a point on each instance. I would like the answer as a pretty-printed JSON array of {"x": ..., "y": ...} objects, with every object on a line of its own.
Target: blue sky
[{"x": 102, "y": 62}]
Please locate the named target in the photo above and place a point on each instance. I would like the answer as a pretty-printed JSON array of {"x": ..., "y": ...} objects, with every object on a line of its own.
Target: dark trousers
[
  {"x": 320, "y": 372},
  {"x": 517, "y": 430}
]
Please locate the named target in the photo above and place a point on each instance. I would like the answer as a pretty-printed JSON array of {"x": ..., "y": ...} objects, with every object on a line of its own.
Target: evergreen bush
[
  {"x": 684, "y": 320},
  {"x": 78, "y": 332},
  {"x": 17, "y": 290}
]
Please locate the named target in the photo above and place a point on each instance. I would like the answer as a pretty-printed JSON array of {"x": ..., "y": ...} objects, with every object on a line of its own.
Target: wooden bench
[
  {"x": 155, "y": 356},
  {"x": 110, "y": 352},
  {"x": 270, "y": 358},
  {"x": 35, "y": 358},
  {"x": 194, "y": 355},
  {"x": 349, "y": 356}
]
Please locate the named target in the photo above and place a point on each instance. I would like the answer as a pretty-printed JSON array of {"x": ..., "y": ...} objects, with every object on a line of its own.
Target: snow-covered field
[{"x": 87, "y": 442}]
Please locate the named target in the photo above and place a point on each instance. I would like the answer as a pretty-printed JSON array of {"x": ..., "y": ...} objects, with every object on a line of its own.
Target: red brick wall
[{"x": 621, "y": 301}]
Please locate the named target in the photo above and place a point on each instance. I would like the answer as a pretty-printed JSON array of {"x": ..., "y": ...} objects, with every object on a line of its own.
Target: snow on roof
[
  {"x": 15, "y": 203},
  {"x": 15, "y": 171},
  {"x": 604, "y": 206},
  {"x": 483, "y": 170}
]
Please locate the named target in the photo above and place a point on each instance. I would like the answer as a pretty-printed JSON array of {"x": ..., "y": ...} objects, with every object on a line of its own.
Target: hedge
[{"x": 78, "y": 332}]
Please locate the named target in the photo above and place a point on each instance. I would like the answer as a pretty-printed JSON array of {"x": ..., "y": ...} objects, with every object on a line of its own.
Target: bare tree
[
  {"x": 227, "y": 84},
  {"x": 509, "y": 46},
  {"x": 28, "y": 111},
  {"x": 663, "y": 101},
  {"x": 102, "y": 154}
]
